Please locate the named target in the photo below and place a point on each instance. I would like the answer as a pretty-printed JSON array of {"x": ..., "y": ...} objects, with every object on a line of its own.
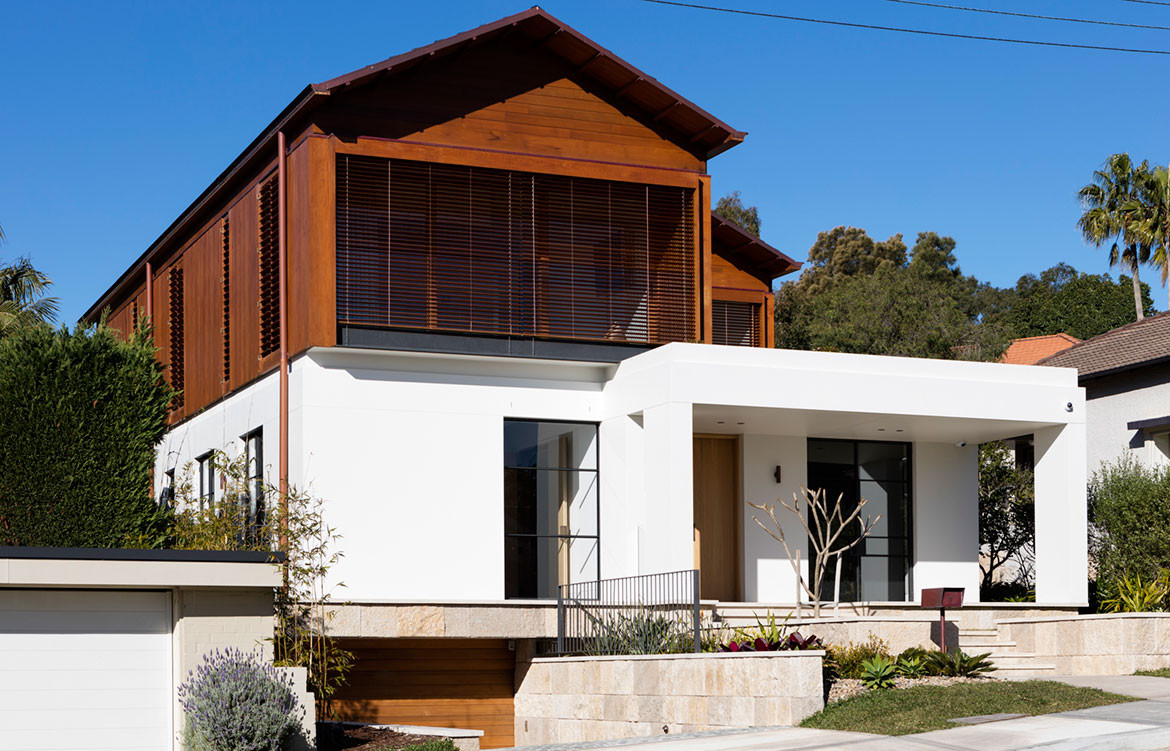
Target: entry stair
[{"x": 1009, "y": 661}]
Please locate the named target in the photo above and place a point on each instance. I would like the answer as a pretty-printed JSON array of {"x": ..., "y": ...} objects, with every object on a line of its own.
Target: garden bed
[{"x": 847, "y": 688}]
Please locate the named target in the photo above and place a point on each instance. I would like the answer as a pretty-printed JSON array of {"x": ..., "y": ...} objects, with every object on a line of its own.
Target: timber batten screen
[
  {"x": 735, "y": 323},
  {"x": 469, "y": 249}
]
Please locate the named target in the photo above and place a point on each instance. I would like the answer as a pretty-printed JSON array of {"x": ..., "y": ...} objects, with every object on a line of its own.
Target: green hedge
[
  {"x": 1129, "y": 515},
  {"x": 81, "y": 412}
]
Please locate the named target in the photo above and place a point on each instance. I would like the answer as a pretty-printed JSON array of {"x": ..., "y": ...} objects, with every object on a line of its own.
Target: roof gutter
[{"x": 262, "y": 143}]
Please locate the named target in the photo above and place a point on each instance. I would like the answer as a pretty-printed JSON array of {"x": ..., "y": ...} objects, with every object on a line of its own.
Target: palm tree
[
  {"x": 1109, "y": 210},
  {"x": 1150, "y": 215},
  {"x": 22, "y": 296}
]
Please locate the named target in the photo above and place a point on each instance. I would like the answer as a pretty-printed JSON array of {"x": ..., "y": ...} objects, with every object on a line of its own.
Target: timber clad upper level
[{"x": 516, "y": 181}]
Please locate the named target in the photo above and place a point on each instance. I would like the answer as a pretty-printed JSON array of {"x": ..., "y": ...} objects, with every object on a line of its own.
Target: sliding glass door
[{"x": 878, "y": 568}]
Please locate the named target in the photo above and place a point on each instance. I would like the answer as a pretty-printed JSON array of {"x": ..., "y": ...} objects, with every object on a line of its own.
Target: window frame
[
  {"x": 255, "y": 483},
  {"x": 569, "y": 538},
  {"x": 206, "y": 464}
]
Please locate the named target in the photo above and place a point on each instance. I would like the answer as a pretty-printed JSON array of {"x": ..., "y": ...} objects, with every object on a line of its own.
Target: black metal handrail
[{"x": 647, "y": 614}]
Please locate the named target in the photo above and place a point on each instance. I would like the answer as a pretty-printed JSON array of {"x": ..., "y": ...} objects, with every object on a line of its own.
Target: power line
[
  {"x": 921, "y": 32},
  {"x": 1146, "y": 2},
  {"x": 1031, "y": 15}
]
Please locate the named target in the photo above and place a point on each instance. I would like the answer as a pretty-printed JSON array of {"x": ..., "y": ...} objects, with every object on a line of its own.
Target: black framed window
[
  {"x": 551, "y": 511},
  {"x": 166, "y": 496},
  {"x": 878, "y": 568},
  {"x": 254, "y": 469},
  {"x": 206, "y": 463}
]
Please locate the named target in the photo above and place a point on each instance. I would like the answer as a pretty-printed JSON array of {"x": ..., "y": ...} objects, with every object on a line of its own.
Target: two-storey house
[{"x": 474, "y": 296}]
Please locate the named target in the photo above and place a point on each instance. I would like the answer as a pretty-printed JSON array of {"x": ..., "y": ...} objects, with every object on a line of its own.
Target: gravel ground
[{"x": 847, "y": 688}]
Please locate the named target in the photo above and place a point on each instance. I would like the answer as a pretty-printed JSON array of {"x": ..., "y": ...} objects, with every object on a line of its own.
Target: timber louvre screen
[
  {"x": 269, "y": 269},
  {"x": 735, "y": 323},
  {"x": 449, "y": 247}
]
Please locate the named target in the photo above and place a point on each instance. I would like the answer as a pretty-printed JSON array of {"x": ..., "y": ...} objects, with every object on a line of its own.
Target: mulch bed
[
  {"x": 333, "y": 737},
  {"x": 847, "y": 688}
]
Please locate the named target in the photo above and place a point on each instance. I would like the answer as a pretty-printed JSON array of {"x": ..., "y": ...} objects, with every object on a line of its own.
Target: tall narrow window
[
  {"x": 166, "y": 495},
  {"x": 226, "y": 287},
  {"x": 175, "y": 311},
  {"x": 254, "y": 468},
  {"x": 735, "y": 323},
  {"x": 550, "y": 506},
  {"x": 269, "y": 269},
  {"x": 206, "y": 464}
]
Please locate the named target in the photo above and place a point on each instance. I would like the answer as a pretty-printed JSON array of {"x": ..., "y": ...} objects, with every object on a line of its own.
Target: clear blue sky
[{"x": 117, "y": 115}]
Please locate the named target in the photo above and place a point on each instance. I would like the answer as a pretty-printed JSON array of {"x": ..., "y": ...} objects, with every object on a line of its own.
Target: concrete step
[
  {"x": 977, "y": 632},
  {"x": 985, "y": 646}
]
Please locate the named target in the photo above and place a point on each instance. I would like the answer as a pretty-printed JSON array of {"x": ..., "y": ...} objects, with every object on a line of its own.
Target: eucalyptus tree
[{"x": 1110, "y": 209}]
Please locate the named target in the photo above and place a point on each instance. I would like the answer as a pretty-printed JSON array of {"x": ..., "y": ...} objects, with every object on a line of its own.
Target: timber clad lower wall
[{"x": 455, "y": 683}]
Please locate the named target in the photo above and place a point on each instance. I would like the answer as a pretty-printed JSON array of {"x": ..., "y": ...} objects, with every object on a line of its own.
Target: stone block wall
[
  {"x": 501, "y": 620},
  {"x": 572, "y": 699},
  {"x": 1105, "y": 644}
]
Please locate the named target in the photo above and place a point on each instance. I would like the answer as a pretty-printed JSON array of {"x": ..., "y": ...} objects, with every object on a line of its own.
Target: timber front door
[{"x": 716, "y": 468}]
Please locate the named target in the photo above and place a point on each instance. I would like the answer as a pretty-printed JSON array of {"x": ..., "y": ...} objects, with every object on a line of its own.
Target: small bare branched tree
[{"x": 824, "y": 526}]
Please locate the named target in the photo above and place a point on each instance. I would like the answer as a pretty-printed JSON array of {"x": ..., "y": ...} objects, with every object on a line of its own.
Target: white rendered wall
[
  {"x": 1061, "y": 515},
  {"x": 946, "y": 518},
  {"x": 768, "y": 574},
  {"x": 1119, "y": 400},
  {"x": 407, "y": 452},
  {"x": 411, "y": 467}
]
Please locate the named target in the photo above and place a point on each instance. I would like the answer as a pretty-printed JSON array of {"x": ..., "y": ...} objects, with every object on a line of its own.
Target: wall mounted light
[{"x": 776, "y": 474}]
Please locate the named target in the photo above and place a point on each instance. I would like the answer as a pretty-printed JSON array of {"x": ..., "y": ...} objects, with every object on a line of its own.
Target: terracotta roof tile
[
  {"x": 1129, "y": 346},
  {"x": 1032, "y": 349}
]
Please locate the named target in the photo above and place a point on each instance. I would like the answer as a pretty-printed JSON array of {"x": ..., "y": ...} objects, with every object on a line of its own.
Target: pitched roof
[
  {"x": 685, "y": 123},
  {"x": 1130, "y": 346},
  {"x": 748, "y": 251},
  {"x": 1032, "y": 349}
]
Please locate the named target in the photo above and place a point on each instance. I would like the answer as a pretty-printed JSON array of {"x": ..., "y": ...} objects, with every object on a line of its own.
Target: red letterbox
[{"x": 942, "y": 598}]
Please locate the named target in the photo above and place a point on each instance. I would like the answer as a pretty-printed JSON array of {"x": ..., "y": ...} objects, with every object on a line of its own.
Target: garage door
[
  {"x": 85, "y": 670},
  {"x": 452, "y": 683}
]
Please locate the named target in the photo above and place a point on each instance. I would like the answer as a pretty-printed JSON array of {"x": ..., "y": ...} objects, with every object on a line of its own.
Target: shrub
[
  {"x": 878, "y": 672},
  {"x": 441, "y": 744},
  {"x": 846, "y": 662},
  {"x": 959, "y": 664},
  {"x": 80, "y": 414},
  {"x": 1132, "y": 594},
  {"x": 791, "y": 643},
  {"x": 235, "y": 702},
  {"x": 1129, "y": 512}
]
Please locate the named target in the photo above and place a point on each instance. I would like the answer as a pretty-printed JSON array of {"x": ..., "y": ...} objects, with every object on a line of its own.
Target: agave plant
[
  {"x": 911, "y": 666},
  {"x": 959, "y": 664},
  {"x": 878, "y": 672}
]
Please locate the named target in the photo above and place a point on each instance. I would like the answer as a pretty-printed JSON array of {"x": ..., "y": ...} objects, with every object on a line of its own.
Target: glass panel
[
  {"x": 583, "y": 554},
  {"x": 830, "y": 452},
  {"x": 550, "y": 445},
  {"x": 881, "y": 461},
  {"x": 550, "y": 502}
]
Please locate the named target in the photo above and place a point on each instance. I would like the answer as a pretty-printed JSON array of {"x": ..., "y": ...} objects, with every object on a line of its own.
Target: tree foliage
[
  {"x": 1007, "y": 519},
  {"x": 1064, "y": 300},
  {"x": 81, "y": 412},
  {"x": 732, "y": 208},
  {"x": 863, "y": 296},
  {"x": 1111, "y": 214}
]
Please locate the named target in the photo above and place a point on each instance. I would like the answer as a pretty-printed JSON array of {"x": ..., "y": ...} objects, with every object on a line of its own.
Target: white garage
[
  {"x": 85, "y": 670},
  {"x": 93, "y": 643}
]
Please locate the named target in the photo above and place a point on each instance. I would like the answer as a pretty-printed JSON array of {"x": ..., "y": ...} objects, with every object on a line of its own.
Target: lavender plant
[{"x": 234, "y": 701}]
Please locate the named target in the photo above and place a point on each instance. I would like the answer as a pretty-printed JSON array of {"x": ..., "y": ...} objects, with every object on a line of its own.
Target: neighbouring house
[
  {"x": 1126, "y": 376},
  {"x": 1032, "y": 349},
  {"x": 522, "y": 352}
]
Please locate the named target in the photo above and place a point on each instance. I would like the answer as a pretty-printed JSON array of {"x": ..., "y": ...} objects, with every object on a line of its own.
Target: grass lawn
[
  {"x": 922, "y": 708},
  {"x": 1159, "y": 673}
]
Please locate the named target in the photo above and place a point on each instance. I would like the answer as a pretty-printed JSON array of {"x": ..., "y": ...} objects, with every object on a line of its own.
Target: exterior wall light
[{"x": 776, "y": 474}]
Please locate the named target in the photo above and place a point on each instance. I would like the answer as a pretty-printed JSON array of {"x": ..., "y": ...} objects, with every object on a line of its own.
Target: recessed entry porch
[{"x": 920, "y": 473}]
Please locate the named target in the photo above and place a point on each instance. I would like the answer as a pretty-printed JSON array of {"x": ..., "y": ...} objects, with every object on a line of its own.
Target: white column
[
  {"x": 666, "y": 536},
  {"x": 1061, "y": 515}
]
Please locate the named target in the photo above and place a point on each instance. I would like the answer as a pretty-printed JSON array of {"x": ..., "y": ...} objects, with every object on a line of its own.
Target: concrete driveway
[{"x": 1137, "y": 726}]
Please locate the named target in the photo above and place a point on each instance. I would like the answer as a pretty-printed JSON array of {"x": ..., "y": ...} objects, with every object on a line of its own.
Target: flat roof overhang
[{"x": 94, "y": 568}]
